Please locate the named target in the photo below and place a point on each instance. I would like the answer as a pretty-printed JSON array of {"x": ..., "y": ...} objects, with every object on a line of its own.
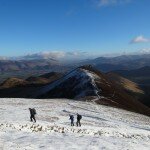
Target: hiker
[
  {"x": 32, "y": 114},
  {"x": 72, "y": 120},
  {"x": 79, "y": 117}
]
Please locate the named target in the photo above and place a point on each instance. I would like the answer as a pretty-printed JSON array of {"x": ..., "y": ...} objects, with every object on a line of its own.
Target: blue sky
[{"x": 88, "y": 26}]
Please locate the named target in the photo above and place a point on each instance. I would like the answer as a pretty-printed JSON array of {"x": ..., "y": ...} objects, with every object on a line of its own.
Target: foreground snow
[{"x": 102, "y": 127}]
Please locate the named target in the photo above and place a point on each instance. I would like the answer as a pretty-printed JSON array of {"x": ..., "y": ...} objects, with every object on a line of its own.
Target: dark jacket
[{"x": 72, "y": 117}]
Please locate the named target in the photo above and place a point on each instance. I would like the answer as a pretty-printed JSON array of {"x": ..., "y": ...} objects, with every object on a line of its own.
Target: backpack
[
  {"x": 80, "y": 117},
  {"x": 34, "y": 111}
]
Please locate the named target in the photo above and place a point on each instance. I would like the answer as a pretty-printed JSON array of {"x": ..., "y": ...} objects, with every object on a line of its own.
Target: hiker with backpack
[
  {"x": 32, "y": 114},
  {"x": 72, "y": 120},
  {"x": 79, "y": 117}
]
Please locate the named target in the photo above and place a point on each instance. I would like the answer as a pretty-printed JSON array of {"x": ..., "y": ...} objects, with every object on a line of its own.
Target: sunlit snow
[{"x": 103, "y": 128}]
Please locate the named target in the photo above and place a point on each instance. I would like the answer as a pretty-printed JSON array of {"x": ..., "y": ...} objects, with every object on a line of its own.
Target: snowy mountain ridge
[{"x": 83, "y": 77}]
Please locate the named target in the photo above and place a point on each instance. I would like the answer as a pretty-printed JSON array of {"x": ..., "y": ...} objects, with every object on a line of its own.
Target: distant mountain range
[
  {"x": 26, "y": 68},
  {"x": 17, "y": 65},
  {"x": 124, "y": 62}
]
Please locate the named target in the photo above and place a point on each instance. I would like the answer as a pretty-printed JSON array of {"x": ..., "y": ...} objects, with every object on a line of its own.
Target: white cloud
[
  {"x": 101, "y": 3},
  {"x": 44, "y": 55},
  {"x": 145, "y": 51},
  {"x": 56, "y": 55},
  {"x": 140, "y": 39}
]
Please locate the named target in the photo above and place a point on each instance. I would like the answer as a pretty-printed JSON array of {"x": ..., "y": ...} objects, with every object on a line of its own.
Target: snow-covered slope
[
  {"x": 81, "y": 82},
  {"x": 103, "y": 128}
]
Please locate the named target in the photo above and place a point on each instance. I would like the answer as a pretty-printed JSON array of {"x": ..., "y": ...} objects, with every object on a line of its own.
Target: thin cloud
[
  {"x": 140, "y": 39},
  {"x": 45, "y": 55},
  {"x": 102, "y": 3}
]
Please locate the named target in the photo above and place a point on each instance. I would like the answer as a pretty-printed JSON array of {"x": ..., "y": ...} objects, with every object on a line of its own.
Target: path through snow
[{"x": 103, "y": 128}]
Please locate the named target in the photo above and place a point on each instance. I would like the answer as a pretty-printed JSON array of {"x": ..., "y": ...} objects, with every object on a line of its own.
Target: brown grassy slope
[
  {"x": 19, "y": 88},
  {"x": 125, "y": 83},
  {"x": 13, "y": 82},
  {"x": 116, "y": 96}
]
